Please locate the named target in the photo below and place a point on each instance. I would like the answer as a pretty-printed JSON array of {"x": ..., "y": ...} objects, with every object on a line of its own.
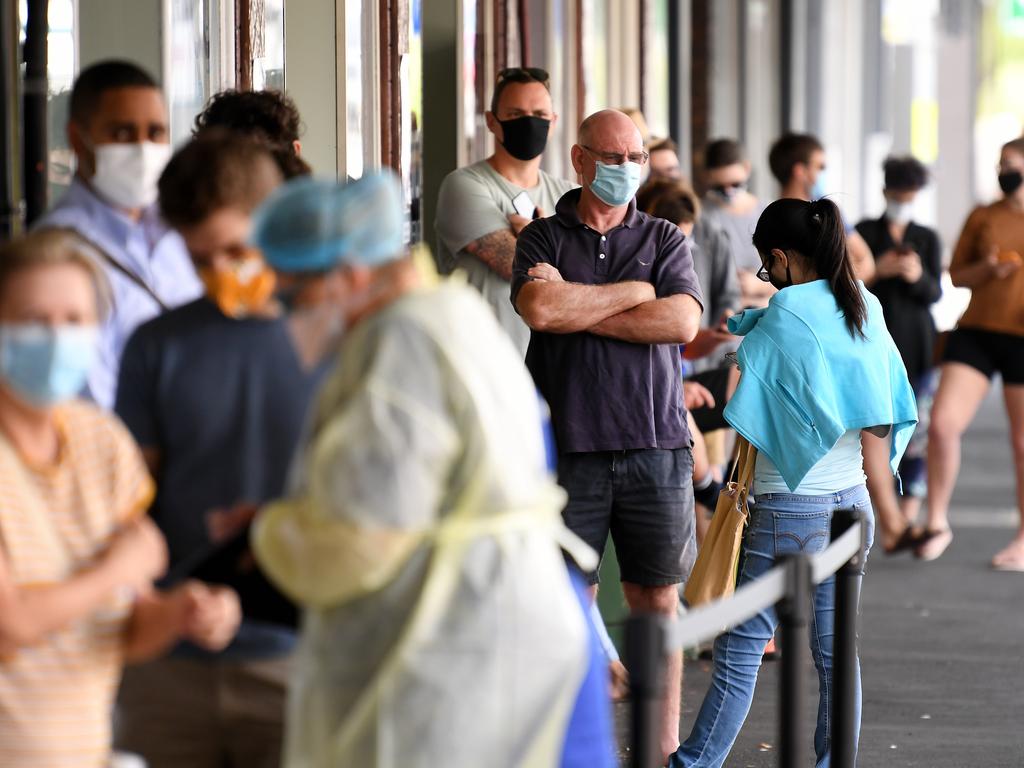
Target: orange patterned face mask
[{"x": 241, "y": 290}]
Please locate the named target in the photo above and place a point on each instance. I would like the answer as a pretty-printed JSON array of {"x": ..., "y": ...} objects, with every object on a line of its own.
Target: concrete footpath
[{"x": 942, "y": 643}]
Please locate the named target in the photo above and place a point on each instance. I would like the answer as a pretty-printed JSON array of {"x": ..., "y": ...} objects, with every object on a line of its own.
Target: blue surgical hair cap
[{"x": 315, "y": 225}]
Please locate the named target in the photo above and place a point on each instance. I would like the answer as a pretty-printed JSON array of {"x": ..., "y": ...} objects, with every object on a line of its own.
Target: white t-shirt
[{"x": 837, "y": 470}]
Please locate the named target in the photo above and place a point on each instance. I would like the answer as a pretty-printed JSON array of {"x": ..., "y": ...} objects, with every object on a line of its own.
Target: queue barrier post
[
  {"x": 645, "y": 652},
  {"x": 788, "y": 586},
  {"x": 844, "y": 652},
  {"x": 794, "y": 614}
]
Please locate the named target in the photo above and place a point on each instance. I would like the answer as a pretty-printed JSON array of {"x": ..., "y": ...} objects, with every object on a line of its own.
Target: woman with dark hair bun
[{"x": 818, "y": 367}]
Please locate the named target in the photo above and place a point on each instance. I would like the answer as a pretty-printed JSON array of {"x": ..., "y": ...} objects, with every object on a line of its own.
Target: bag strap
[
  {"x": 746, "y": 460},
  {"x": 117, "y": 266}
]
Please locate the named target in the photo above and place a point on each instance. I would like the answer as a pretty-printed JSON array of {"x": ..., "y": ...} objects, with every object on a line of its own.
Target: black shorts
[
  {"x": 716, "y": 381},
  {"x": 988, "y": 352},
  {"x": 644, "y": 498}
]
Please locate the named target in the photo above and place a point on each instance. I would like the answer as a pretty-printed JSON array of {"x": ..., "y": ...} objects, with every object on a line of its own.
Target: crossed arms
[{"x": 628, "y": 311}]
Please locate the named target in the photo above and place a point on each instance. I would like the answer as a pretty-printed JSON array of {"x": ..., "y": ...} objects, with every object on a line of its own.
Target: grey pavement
[{"x": 942, "y": 643}]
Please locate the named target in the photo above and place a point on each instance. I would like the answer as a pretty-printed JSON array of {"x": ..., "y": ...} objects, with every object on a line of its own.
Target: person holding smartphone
[
  {"x": 907, "y": 281},
  {"x": 483, "y": 207},
  {"x": 988, "y": 339}
]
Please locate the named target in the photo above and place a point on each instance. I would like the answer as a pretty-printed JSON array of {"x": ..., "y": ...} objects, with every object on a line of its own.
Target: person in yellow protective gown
[{"x": 423, "y": 535}]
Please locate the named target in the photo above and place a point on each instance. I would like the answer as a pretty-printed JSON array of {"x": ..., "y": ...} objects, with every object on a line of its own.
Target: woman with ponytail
[{"x": 818, "y": 367}]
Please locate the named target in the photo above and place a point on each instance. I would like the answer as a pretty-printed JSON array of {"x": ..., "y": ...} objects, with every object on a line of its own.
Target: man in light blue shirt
[{"x": 118, "y": 130}]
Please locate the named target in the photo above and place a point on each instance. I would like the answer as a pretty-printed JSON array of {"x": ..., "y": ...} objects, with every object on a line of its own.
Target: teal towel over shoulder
[{"x": 806, "y": 380}]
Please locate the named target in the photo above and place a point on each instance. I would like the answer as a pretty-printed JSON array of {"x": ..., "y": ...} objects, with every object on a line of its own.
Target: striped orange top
[{"x": 56, "y": 697}]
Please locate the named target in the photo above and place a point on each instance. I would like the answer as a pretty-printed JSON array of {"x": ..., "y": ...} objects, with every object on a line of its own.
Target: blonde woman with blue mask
[{"x": 78, "y": 554}]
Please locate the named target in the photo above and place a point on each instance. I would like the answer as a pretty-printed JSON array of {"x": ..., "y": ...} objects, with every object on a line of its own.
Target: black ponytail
[{"x": 816, "y": 232}]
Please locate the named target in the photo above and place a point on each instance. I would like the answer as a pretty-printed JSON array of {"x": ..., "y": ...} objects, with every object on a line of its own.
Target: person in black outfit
[{"x": 907, "y": 281}]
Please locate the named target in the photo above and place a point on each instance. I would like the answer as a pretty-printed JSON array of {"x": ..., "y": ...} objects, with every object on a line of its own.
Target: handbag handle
[{"x": 743, "y": 469}]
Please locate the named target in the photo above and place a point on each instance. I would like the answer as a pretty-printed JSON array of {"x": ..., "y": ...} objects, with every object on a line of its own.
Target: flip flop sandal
[{"x": 911, "y": 538}]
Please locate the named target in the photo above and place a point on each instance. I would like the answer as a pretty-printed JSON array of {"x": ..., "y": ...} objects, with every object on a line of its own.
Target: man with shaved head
[{"x": 609, "y": 293}]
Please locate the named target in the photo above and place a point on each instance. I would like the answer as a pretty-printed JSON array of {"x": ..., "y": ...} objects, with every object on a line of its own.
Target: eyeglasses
[
  {"x": 617, "y": 158},
  {"x": 524, "y": 74},
  {"x": 762, "y": 274}
]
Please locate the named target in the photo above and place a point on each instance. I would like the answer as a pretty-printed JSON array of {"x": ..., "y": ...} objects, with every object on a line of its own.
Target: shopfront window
[
  {"x": 61, "y": 66},
  {"x": 186, "y": 80},
  {"x": 595, "y": 38},
  {"x": 268, "y": 67},
  {"x": 354, "y": 88}
]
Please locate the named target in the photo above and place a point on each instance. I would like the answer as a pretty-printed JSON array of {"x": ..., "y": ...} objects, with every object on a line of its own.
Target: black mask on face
[
  {"x": 1010, "y": 181},
  {"x": 525, "y": 137}
]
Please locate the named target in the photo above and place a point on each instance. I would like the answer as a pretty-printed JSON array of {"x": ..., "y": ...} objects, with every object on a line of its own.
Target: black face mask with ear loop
[
  {"x": 525, "y": 137},
  {"x": 1010, "y": 181},
  {"x": 778, "y": 284}
]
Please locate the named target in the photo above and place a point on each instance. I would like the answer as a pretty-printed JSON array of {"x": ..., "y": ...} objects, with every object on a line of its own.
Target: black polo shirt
[{"x": 606, "y": 394}]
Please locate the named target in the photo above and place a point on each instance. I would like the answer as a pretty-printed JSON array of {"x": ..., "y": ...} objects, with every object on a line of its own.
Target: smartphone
[{"x": 524, "y": 205}]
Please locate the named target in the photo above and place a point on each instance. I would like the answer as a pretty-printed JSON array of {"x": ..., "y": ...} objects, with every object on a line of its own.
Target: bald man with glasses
[{"x": 610, "y": 294}]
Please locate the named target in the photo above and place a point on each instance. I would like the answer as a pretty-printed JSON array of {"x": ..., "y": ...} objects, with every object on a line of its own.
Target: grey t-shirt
[
  {"x": 740, "y": 229},
  {"x": 475, "y": 201}
]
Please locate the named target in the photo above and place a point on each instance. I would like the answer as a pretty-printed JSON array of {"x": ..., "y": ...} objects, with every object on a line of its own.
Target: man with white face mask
[
  {"x": 908, "y": 280},
  {"x": 118, "y": 130}
]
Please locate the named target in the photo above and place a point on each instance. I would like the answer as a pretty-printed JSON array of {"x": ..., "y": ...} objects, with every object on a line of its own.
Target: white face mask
[
  {"x": 127, "y": 174},
  {"x": 898, "y": 213}
]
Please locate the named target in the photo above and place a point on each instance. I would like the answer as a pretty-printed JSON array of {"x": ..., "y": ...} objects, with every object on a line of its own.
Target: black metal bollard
[
  {"x": 844, "y": 651},
  {"x": 793, "y": 611},
  {"x": 646, "y": 647}
]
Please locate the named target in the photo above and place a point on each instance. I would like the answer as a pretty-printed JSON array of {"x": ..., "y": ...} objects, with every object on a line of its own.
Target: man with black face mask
[{"x": 482, "y": 208}]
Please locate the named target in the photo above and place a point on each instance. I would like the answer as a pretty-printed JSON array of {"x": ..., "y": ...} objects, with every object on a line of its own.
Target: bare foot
[
  {"x": 933, "y": 548},
  {"x": 1011, "y": 558}
]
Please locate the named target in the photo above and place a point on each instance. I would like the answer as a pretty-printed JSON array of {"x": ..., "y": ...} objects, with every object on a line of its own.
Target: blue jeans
[{"x": 780, "y": 524}]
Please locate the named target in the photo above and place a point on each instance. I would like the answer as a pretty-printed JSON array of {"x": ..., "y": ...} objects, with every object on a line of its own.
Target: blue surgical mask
[
  {"x": 46, "y": 365},
  {"x": 820, "y": 187},
  {"x": 616, "y": 185}
]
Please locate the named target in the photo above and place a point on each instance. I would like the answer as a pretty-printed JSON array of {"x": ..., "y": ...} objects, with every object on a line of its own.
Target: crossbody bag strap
[{"x": 124, "y": 270}]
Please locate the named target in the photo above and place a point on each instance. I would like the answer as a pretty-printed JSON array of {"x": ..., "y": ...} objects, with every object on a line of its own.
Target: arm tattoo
[{"x": 496, "y": 250}]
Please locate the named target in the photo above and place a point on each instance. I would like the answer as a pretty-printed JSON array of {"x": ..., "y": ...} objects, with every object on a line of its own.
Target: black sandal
[{"x": 911, "y": 538}]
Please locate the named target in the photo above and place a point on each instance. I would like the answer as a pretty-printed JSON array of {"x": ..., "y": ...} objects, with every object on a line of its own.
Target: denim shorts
[{"x": 644, "y": 498}]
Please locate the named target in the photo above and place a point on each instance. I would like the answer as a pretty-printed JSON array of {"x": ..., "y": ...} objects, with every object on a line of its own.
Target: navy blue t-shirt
[
  {"x": 224, "y": 403},
  {"x": 606, "y": 394}
]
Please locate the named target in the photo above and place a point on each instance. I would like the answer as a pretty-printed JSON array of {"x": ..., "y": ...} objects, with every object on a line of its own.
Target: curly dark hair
[{"x": 268, "y": 116}]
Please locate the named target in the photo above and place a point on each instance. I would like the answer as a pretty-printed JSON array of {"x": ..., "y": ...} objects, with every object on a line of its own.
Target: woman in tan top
[
  {"x": 78, "y": 555},
  {"x": 988, "y": 339}
]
